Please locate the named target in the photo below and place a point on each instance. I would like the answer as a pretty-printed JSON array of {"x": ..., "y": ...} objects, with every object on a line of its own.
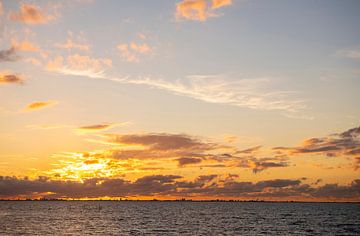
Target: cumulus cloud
[
  {"x": 8, "y": 55},
  {"x": 175, "y": 185},
  {"x": 9, "y": 78},
  {"x": 30, "y": 14},
  {"x": 345, "y": 144},
  {"x": 39, "y": 105},
  {"x": 132, "y": 51},
  {"x": 199, "y": 10},
  {"x": 24, "y": 45}
]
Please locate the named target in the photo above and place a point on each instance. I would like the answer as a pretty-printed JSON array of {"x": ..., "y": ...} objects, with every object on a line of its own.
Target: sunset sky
[{"x": 200, "y": 99}]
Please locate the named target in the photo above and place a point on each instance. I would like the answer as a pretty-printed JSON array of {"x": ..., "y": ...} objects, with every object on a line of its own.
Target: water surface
[{"x": 177, "y": 218}]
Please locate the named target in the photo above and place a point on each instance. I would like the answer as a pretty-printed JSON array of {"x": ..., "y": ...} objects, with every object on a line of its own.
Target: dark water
[{"x": 178, "y": 218}]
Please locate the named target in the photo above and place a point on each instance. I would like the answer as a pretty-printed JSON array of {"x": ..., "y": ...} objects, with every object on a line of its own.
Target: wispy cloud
[
  {"x": 99, "y": 127},
  {"x": 30, "y": 14},
  {"x": 80, "y": 65},
  {"x": 39, "y": 105},
  {"x": 199, "y": 10},
  {"x": 247, "y": 93},
  {"x": 49, "y": 127},
  {"x": 353, "y": 53},
  {"x": 74, "y": 42}
]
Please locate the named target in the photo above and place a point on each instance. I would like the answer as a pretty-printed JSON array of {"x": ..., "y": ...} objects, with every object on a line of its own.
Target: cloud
[
  {"x": 199, "y": 10},
  {"x": 162, "y": 148},
  {"x": 132, "y": 51},
  {"x": 188, "y": 161},
  {"x": 39, "y": 105},
  {"x": 263, "y": 165},
  {"x": 99, "y": 127},
  {"x": 79, "y": 65},
  {"x": 337, "y": 191},
  {"x": 74, "y": 42},
  {"x": 162, "y": 142},
  {"x": 249, "y": 150},
  {"x": 349, "y": 53},
  {"x": 8, "y": 78},
  {"x": 25, "y": 45},
  {"x": 345, "y": 144},
  {"x": 220, "y": 3},
  {"x": 33, "y": 61},
  {"x": 134, "y": 153},
  {"x": 258, "y": 164},
  {"x": 48, "y": 127},
  {"x": 174, "y": 186},
  {"x": 247, "y": 93},
  {"x": 30, "y": 14},
  {"x": 1, "y": 9},
  {"x": 8, "y": 55}
]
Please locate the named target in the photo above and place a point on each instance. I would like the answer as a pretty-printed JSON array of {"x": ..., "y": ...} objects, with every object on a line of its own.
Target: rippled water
[{"x": 178, "y": 218}]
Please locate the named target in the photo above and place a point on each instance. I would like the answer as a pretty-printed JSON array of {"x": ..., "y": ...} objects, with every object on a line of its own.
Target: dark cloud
[
  {"x": 187, "y": 161},
  {"x": 260, "y": 164},
  {"x": 174, "y": 185},
  {"x": 249, "y": 150},
  {"x": 99, "y": 127},
  {"x": 8, "y": 55},
  {"x": 337, "y": 191},
  {"x": 351, "y": 133},
  {"x": 263, "y": 165},
  {"x": 186, "y": 150},
  {"x": 162, "y": 142},
  {"x": 345, "y": 144},
  {"x": 213, "y": 166},
  {"x": 278, "y": 183},
  {"x": 11, "y": 79},
  {"x": 95, "y": 127}
]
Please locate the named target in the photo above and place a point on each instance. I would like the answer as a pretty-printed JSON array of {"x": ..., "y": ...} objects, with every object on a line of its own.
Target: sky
[{"x": 195, "y": 99}]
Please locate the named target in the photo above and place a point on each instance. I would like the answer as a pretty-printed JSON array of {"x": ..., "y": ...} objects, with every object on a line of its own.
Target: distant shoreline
[{"x": 157, "y": 200}]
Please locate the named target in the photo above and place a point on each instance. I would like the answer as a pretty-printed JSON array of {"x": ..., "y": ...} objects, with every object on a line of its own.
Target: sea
[{"x": 177, "y": 218}]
